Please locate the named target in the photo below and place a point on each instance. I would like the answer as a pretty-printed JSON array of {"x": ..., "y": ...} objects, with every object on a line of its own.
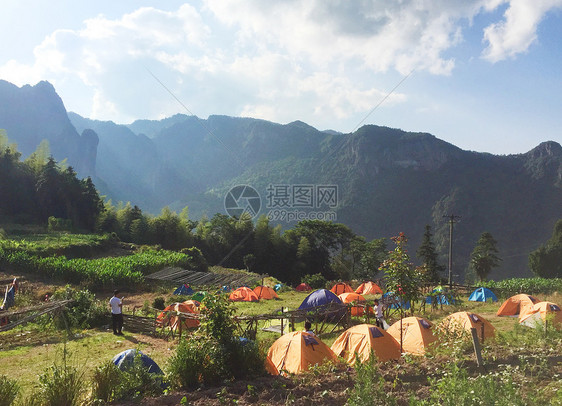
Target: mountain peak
[{"x": 546, "y": 149}]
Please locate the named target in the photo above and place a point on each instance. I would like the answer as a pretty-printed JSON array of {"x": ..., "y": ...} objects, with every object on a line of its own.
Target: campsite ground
[{"x": 29, "y": 350}]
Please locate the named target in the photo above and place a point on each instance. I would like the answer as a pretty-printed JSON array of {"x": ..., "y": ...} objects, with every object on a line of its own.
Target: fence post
[{"x": 477, "y": 350}]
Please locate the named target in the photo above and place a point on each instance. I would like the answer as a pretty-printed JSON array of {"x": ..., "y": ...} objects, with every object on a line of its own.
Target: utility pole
[{"x": 452, "y": 220}]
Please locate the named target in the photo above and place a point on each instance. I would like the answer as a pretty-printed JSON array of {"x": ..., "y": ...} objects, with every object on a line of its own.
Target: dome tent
[
  {"x": 369, "y": 288},
  {"x": 417, "y": 334},
  {"x": 303, "y": 287},
  {"x": 243, "y": 294},
  {"x": 360, "y": 340},
  {"x": 464, "y": 321},
  {"x": 515, "y": 305},
  {"x": 341, "y": 287},
  {"x": 482, "y": 295},
  {"x": 350, "y": 297},
  {"x": 184, "y": 290},
  {"x": 169, "y": 316},
  {"x": 320, "y": 297},
  {"x": 265, "y": 292},
  {"x": 125, "y": 360},
  {"x": 540, "y": 312},
  {"x": 297, "y": 351}
]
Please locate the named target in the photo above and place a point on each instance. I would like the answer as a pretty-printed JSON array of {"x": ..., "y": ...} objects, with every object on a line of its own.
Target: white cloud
[{"x": 518, "y": 31}]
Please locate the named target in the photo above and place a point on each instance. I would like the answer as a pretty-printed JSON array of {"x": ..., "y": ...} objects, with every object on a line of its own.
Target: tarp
[
  {"x": 168, "y": 318},
  {"x": 243, "y": 294},
  {"x": 297, "y": 351},
  {"x": 464, "y": 321},
  {"x": 125, "y": 359},
  {"x": 417, "y": 334},
  {"x": 303, "y": 287},
  {"x": 515, "y": 305},
  {"x": 340, "y": 288},
  {"x": 318, "y": 298},
  {"x": 540, "y": 312},
  {"x": 350, "y": 297},
  {"x": 369, "y": 288},
  {"x": 184, "y": 290},
  {"x": 482, "y": 295},
  {"x": 265, "y": 292},
  {"x": 358, "y": 341}
]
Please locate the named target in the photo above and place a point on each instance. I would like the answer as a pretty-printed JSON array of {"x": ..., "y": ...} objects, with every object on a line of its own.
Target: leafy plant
[
  {"x": 369, "y": 386},
  {"x": 9, "y": 390},
  {"x": 61, "y": 385}
]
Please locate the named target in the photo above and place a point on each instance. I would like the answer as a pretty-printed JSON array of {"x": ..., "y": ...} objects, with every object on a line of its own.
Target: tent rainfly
[
  {"x": 361, "y": 340},
  {"x": 417, "y": 334}
]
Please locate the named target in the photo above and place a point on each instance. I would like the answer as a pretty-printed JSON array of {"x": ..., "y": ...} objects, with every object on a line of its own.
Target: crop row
[
  {"x": 96, "y": 273},
  {"x": 508, "y": 287}
]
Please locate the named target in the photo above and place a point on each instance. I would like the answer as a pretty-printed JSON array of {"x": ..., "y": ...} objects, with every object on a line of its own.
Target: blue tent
[
  {"x": 125, "y": 360},
  {"x": 226, "y": 288},
  {"x": 440, "y": 299},
  {"x": 482, "y": 295},
  {"x": 397, "y": 304},
  {"x": 318, "y": 298},
  {"x": 184, "y": 290},
  {"x": 277, "y": 287}
]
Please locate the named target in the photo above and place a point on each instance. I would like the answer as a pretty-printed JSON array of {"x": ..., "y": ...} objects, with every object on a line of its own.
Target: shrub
[
  {"x": 369, "y": 385},
  {"x": 214, "y": 352},
  {"x": 315, "y": 281},
  {"x": 61, "y": 385},
  {"x": 9, "y": 390},
  {"x": 83, "y": 312},
  {"x": 456, "y": 388},
  {"x": 158, "y": 303},
  {"x": 110, "y": 383}
]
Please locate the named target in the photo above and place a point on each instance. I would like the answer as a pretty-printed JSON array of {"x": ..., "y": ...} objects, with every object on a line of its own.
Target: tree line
[{"x": 40, "y": 190}]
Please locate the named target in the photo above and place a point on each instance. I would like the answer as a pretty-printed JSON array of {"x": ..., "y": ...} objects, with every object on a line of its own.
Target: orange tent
[
  {"x": 340, "y": 288},
  {"x": 169, "y": 316},
  {"x": 369, "y": 288},
  {"x": 540, "y": 312},
  {"x": 265, "y": 292},
  {"x": 464, "y": 321},
  {"x": 518, "y": 304},
  {"x": 303, "y": 287},
  {"x": 351, "y": 297},
  {"x": 417, "y": 334},
  {"x": 360, "y": 340},
  {"x": 297, "y": 351},
  {"x": 243, "y": 294}
]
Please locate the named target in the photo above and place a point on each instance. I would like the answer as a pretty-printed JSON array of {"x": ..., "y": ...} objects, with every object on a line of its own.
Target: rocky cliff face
[{"x": 31, "y": 114}]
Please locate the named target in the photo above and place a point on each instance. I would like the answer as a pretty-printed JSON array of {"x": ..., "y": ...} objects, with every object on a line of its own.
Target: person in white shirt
[
  {"x": 116, "y": 305},
  {"x": 378, "y": 314}
]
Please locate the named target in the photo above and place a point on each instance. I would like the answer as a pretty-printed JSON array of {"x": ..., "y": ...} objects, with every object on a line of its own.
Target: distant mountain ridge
[{"x": 388, "y": 180}]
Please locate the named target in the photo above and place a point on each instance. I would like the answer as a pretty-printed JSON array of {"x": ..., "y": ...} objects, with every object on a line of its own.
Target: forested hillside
[{"x": 387, "y": 180}]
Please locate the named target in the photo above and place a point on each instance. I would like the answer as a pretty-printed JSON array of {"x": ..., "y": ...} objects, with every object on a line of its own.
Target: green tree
[
  {"x": 484, "y": 256},
  {"x": 401, "y": 276},
  {"x": 546, "y": 261},
  {"x": 428, "y": 254}
]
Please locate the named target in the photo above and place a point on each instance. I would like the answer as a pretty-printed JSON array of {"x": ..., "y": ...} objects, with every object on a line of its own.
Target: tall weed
[{"x": 9, "y": 390}]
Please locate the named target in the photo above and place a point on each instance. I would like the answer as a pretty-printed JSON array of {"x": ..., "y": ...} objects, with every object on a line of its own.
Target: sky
[{"x": 485, "y": 75}]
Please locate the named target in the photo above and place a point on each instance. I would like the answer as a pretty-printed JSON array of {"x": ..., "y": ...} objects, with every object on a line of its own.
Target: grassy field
[{"x": 29, "y": 350}]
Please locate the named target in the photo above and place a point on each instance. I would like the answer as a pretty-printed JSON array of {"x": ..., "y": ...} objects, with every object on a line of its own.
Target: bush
[
  {"x": 158, "y": 303},
  {"x": 316, "y": 281},
  {"x": 214, "y": 353},
  {"x": 9, "y": 390},
  {"x": 83, "y": 312},
  {"x": 60, "y": 385},
  {"x": 110, "y": 383},
  {"x": 369, "y": 385},
  {"x": 456, "y": 388}
]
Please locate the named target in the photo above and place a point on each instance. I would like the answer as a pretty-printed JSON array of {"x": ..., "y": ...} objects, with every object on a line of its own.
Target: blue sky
[{"x": 484, "y": 75}]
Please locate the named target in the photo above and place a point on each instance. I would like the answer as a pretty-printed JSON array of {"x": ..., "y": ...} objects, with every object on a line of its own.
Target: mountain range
[{"x": 387, "y": 180}]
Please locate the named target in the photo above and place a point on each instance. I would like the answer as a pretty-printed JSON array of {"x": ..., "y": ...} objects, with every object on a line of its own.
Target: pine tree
[
  {"x": 428, "y": 254},
  {"x": 484, "y": 256}
]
